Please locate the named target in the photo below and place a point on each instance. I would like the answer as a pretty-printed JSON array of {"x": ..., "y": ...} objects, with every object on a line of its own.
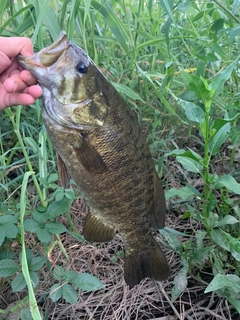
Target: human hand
[{"x": 17, "y": 86}]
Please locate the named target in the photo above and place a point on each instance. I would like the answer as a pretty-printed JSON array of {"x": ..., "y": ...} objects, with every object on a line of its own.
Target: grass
[{"x": 177, "y": 65}]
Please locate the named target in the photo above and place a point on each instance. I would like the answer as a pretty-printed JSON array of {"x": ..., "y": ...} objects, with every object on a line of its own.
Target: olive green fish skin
[{"x": 102, "y": 146}]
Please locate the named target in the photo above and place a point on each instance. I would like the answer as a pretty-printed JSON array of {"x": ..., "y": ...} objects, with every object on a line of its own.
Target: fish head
[
  {"x": 68, "y": 75},
  {"x": 63, "y": 68}
]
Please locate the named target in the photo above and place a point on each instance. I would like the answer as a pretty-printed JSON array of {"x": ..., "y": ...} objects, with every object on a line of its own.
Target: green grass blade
[
  {"x": 115, "y": 24},
  {"x": 45, "y": 14},
  {"x": 32, "y": 300}
]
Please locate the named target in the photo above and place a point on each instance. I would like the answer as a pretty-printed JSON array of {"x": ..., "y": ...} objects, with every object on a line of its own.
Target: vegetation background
[{"x": 177, "y": 64}]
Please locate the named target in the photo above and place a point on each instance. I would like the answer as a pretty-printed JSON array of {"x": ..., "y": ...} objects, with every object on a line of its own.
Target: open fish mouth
[{"x": 47, "y": 56}]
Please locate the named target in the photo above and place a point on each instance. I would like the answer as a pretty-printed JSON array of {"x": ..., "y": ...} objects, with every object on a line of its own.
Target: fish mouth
[{"x": 47, "y": 56}]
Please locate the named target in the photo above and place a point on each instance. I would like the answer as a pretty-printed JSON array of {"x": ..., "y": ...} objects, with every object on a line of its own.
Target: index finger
[{"x": 13, "y": 46}]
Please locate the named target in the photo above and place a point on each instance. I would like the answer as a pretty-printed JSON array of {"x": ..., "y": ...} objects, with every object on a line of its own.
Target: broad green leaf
[
  {"x": 69, "y": 293},
  {"x": 233, "y": 32},
  {"x": 59, "y": 195},
  {"x": 183, "y": 6},
  {"x": 29, "y": 255},
  {"x": 6, "y": 255},
  {"x": 189, "y": 154},
  {"x": 26, "y": 314},
  {"x": 218, "y": 82},
  {"x": 172, "y": 240},
  {"x": 36, "y": 263},
  {"x": 202, "y": 254},
  {"x": 217, "y": 25},
  {"x": 174, "y": 232},
  {"x": 2, "y": 234},
  {"x": 183, "y": 193},
  {"x": 70, "y": 276},
  {"x": 70, "y": 194},
  {"x": 218, "y": 139},
  {"x": 219, "y": 123},
  {"x": 235, "y": 303},
  {"x": 31, "y": 225},
  {"x": 18, "y": 283},
  {"x": 221, "y": 238},
  {"x": 190, "y": 164},
  {"x": 228, "y": 219},
  {"x": 56, "y": 292},
  {"x": 8, "y": 218},
  {"x": 180, "y": 283},
  {"x": 176, "y": 152},
  {"x": 127, "y": 91},
  {"x": 200, "y": 236},
  {"x": 235, "y": 249},
  {"x": 34, "y": 278},
  {"x": 55, "y": 227},
  {"x": 193, "y": 112},
  {"x": 53, "y": 177},
  {"x": 228, "y": 182},
  {"x": 221, "y": 281},
  {"x": 40, "y": 216},
  {"x": 8, "y": 267},
  {"x": 58, "y": 273},
  {"x": 11, "y": 230},
  {"x": 198, "y": 85},
  {"x": 44, "y": 235},
  {"x": 87, "y": 282},
  {"x": 56, "y": 208}
]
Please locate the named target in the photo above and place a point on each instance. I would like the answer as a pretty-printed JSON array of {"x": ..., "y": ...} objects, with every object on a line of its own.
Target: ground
[{"x": 150, "y": 300}]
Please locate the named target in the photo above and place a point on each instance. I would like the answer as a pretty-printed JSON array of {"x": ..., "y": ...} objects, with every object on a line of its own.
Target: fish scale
[{"x": 101, "y": 146}]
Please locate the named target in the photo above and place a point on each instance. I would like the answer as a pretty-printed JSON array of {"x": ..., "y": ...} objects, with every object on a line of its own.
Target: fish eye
[{"x": 82, "y": 67}]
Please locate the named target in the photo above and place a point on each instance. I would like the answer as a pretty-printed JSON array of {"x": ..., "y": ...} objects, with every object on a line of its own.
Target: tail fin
[{"x": 149, "y": 263}]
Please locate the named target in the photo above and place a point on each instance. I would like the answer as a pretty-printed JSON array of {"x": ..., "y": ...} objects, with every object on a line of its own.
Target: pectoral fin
[
  {"x": 89, "y": 157},
  {"x": 63, "y": 172},
  {"x": 97, "y": 230}
]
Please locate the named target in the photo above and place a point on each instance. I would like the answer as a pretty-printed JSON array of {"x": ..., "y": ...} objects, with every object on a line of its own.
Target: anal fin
[{"x": 97, "y": 230}]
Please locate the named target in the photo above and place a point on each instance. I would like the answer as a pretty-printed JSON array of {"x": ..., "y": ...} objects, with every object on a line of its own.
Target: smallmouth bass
[{"x": 100, "y": 145}]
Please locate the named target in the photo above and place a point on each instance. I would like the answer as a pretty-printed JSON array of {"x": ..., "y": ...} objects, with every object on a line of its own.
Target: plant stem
[{"x": 207, "y": 158}]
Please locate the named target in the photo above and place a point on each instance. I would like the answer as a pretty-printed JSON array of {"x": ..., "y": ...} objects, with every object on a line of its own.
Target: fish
[{"x": 100, "y": 145}]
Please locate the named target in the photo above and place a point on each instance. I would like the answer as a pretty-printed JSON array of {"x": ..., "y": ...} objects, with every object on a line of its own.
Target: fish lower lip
[{"x": 27, "y": 62}]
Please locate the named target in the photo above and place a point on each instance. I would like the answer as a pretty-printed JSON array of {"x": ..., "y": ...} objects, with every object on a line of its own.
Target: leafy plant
[
  {"x": 214, "y": 133},
  {"x": 67, "y": 280},
  {"x": 8, "y": 267},
  {"x": 42, "y": 222}
]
